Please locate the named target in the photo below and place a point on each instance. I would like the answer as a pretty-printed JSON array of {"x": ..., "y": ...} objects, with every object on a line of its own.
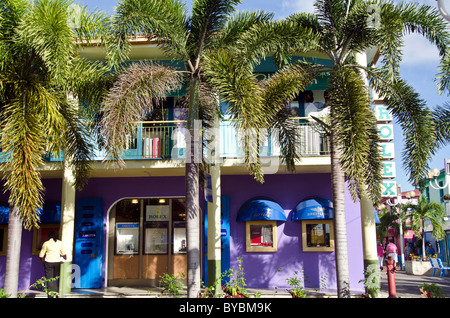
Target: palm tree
[
  {"x": 185, "y": 38},
  {"x": 39, "y": 68},
  {"x": 424, "y": 210},
  {"x": 342, "y": 30}
]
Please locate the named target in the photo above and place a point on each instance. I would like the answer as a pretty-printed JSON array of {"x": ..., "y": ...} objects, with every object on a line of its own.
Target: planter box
[{"x": 418, "y": 268}]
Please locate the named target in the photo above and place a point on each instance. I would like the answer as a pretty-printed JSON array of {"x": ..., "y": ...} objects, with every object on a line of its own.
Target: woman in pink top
[
  {"x": 380, "y": 254},
  {"x": 391, "y": 250}
]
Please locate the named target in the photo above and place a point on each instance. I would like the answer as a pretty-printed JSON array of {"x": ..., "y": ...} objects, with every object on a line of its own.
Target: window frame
[
  {"x": 307, "y": 248},
  {"x": 250, "y": 248}
]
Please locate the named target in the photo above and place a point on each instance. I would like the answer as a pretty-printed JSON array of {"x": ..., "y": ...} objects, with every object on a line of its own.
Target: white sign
[
  {"x": 382, "y": 114},
  {"x": 387, "y": 150},
  {"x": 386, "y": 131},
  {"x": 389, "y": 189},
  {"x": 389, "y": 171},
  {"x": 157, "y": 213}
]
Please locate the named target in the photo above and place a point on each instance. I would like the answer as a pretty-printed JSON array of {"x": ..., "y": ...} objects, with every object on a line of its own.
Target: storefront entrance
[{"x": 146, "y": 239}]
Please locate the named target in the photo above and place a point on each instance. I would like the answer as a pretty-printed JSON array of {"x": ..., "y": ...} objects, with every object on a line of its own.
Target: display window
[
  {"x": 261, "y": 236},
  {"x": 127, "y": 238},
  {"x": 318, "y": 236},
  {"x": 156, "y": 237},
  {"x": 179, "y": 237}
]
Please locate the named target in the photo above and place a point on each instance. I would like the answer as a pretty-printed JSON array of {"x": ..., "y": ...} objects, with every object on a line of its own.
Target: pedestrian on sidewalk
[
  {"x": 50, "y": 254},
  {"x": 380, "y": 254},
  {"x": 391, "y": 250}
]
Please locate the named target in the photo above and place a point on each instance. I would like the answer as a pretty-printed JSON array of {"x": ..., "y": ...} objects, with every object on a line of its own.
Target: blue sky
[{"x": 419, "y": 66}]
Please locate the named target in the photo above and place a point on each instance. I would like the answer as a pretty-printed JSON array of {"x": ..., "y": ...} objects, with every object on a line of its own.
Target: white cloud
[
  {"x": 418, "y": 50},
  {"x": 292, "y": 6}
]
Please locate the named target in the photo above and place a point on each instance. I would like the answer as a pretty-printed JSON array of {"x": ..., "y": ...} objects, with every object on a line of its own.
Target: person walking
[
  {"x": 50, "y": 254},
  {"x": 380, "y": 254},
  {"x": 391, "y": 250}
]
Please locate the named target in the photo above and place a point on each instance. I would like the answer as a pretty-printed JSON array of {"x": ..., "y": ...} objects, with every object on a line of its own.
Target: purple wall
[{"x": 261, "y": 269}]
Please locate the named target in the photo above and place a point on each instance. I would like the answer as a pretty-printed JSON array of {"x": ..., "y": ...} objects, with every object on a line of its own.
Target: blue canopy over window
[
  {"x": 261, "y": 210},
  {"x": 4, "y": 213},
  {"x": 51, "y": 213},
  {"x": 377, "y": 219},
  {"x": 313, "y": 209}
]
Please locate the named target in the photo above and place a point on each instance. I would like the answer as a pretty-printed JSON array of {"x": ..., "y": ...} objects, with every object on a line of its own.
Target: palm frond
[
  {"x": 414, "y": 117},
  {"x": 277, "y": 92},
  {"x": 269, "y": 38},
  {"x": 209, "y": 17},
  {"x": 137, "y": 89},
  {"x": 353, "y": 123},
  {"x": 407, "y": 18},
  {"x": 46, "y": 30},
  {"x": 161, "y": 20},
  {"x": 441, "y": 115},
  {"x": 24, "y": 145},
  {"x": 236, "y": 25}
]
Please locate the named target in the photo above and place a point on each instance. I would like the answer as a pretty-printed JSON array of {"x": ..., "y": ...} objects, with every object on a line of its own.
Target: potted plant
[{"x": 431, "y": 291}]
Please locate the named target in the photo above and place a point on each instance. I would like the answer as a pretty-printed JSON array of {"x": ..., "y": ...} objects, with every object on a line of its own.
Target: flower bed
[{"x": 418, "y": 268}]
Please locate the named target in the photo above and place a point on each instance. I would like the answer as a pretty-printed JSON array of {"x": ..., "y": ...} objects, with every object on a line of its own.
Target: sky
[{"x": 418, "y": 67}]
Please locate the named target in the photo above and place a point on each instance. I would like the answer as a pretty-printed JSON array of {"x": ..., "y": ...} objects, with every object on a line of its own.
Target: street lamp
[
  {"x": 434, "y": 173},
  {"x": 410, "y": 194},
  {"x": 399, "y": 201},
  {"x": 443, "y": 9},
  {"x": 432, "y": 176}
]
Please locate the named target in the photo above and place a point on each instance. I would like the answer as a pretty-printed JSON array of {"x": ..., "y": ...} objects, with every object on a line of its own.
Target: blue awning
[
  {"x": 261, "y": 210},
  {"x": 377, "y": 219},
  {"x": 4, "y": 213},
  {"x": 51, "y": 213},
  {"x": 313, "y": 209}
]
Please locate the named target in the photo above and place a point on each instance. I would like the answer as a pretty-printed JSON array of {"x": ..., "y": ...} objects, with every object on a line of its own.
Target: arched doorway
[{"x": 146, "y": 239}]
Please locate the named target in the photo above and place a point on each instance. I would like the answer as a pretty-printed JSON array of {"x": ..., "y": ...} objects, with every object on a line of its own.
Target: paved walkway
[{"x": 406, "y": 287}]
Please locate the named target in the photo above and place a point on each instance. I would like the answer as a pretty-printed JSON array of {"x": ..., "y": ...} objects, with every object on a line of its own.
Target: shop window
[
  {"x": 127, "y": 227},
  {"x": 156, "y": 233},
  {"x": 179, "y": 226},
  {"x": 179, "y": 237},
  {"x": 127, "y": 238},
  {"x": 261, "y": 236},
  {"x": 318, "y": 236},
  {"x": 3, "y": 238}
]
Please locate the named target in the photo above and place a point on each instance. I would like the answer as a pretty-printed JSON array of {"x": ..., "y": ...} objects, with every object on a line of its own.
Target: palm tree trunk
[
  {"x": 192, "y": 194},
  {"x": 340, "y": 226},
  {"x": 13, "y": 253}
]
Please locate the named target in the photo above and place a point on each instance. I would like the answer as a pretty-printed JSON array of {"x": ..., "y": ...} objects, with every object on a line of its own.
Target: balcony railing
[{"x": 167, "y": 140}]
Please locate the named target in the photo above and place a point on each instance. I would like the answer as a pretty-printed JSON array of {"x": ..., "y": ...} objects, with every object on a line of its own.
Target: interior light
[
  {"x": 134, "y": 201},
  {"x": 162, "y": 200}
]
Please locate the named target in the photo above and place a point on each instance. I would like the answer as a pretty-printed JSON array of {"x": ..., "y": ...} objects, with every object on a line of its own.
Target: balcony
[{"x": 167, "y": 140}]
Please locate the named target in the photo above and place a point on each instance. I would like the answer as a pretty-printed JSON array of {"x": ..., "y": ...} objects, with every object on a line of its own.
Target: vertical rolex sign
[{"x": 386, "y": 133}]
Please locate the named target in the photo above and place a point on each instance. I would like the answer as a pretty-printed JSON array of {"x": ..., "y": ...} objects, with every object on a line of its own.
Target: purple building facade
[{"x": 262, "y": 269}]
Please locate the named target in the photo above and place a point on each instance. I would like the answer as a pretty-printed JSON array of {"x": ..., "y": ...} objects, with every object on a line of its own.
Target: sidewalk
[{"x": 406, "y": 287}]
